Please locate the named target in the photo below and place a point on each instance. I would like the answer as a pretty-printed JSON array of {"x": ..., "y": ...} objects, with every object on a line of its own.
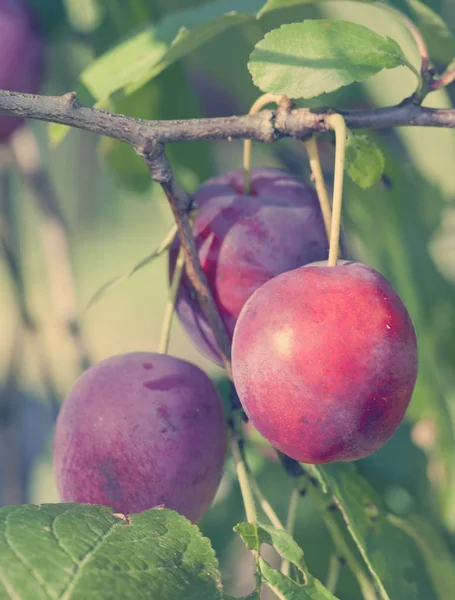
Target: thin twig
[
  {"x": 446, "y": 79},
  {"x": 181, "y": 204}
]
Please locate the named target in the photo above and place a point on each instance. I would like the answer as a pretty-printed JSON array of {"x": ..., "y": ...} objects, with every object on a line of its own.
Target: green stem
[
  {"x": 163, "y": 345},
  {"x": 316, "y": 169},
  {"x": 244, "y": 482},
  {"x": 290, "y": 524},
  {"x": 333, "y": 573},
  {"x": 265, "y": 504},
  {"x": 337, "y": 123}
]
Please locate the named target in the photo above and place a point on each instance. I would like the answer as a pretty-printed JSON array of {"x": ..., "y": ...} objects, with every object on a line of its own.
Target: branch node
[
  {"x": 155, "y": 158},
  {"x": 70, "y": 98}
]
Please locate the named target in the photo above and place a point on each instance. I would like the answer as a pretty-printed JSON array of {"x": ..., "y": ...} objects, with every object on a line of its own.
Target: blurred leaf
[
  {"x": 254, "y": 535},
  {"x": 253, "y": 596},
  {"x": 438, "y": 559},
  {"x": 84, "y": 15},
  {"x": 109, "y": 285},
  {"x": 302, "y": 60},
  {"x": 77, "y": 551},
  {"x": 439, "y": 38},
  {"x": 141, "y": 56},
  {"x": 364, "y": 159},
  {"x": 382, "y": 546}
]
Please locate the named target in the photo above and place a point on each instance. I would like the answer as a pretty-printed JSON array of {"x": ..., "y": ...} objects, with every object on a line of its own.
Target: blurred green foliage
[{"x": 403, "y": 226}]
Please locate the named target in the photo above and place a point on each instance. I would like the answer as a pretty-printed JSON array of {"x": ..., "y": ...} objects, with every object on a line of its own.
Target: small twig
[
  {"x": 54, "y": 239},
  {"x": 446, "y": 79}
]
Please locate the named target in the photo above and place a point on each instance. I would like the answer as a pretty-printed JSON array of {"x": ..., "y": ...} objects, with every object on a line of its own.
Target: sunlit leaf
[{"x": 302, "y": 60}]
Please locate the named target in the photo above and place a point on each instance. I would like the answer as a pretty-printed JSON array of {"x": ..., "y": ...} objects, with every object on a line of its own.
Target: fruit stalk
[
  {"x": 337, "y": 123},
  {"x": 316, "y": 169},
  {"x": 256, "y": 107}
]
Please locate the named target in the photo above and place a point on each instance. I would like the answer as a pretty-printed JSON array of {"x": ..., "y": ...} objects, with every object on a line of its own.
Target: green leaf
[
  {"x": 382, "y": 546},
  {"x": 303, "y": 60},
  {"x": 364, "y": 160},
  {"x": 78, "y": 552},
  {"x": 439, "y": 38},
  {"x": 439, "y": 562},
  {"x": 254, "y": 535},
  {"x": 143, "y": 55}
]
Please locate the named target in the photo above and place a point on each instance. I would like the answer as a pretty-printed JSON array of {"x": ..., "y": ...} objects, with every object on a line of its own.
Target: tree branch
[
  {"x": 266, "y": 126},
  {"x": 181, "y": 204}
]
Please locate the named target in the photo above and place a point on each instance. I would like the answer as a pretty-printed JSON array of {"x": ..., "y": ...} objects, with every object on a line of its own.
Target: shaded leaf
[
  {"x": 364, "y": 160},
  {"x": 439, "y": 561},
  {"x": 79, "y": 551},
  {"x": 382, "y": 546},
  {"x": 302, "y": 60}
]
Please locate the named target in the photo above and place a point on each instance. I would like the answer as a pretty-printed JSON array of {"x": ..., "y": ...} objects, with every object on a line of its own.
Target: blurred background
[{"x": 404, "y": 226}]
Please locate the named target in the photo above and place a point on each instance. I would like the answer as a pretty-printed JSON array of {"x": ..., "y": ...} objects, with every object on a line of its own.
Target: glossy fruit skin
[
  {"x": 245, "y": 240},
  {"x": 22, "y": 52},
  {"x": 140, "y": 430},
  {"x": 324, "y": 361}
]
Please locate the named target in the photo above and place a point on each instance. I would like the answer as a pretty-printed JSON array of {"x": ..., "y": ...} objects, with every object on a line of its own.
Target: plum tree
[
  {"x": 140, "y": 430},
  {"x": 324, "y": 361},
  {"x": 22, "y": 52},
  {"x": 245, "y": 240}
]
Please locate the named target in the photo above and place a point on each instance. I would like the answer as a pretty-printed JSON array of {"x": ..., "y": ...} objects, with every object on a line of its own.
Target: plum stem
[
  {"x": 333, "y": 573},
  {"x": 256, "y": 107},
  {"x": 163, "y": 345},
  {"x": 316, "y": 169},
  {"x": 290, "y": 524},
  {"x": 338, "y": 124}
]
